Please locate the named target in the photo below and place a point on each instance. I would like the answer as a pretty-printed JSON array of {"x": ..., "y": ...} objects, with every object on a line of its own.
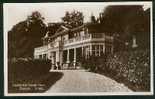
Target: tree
[
  {"x": 121, "y": 17},
  {"x": 26, "y": 35},
  {"x": 124, "y": 22},
  {"x": 73, "y": 19},
  {"x": 53, "y": 27}
]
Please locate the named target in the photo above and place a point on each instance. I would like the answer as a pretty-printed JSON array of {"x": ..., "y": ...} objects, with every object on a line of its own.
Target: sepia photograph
[{"x": 78, "y": 48}]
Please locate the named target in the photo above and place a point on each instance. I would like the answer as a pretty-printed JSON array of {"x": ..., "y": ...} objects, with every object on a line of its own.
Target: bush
[
  {"x": 94, "y": 63},
  {"x": 28, "y": 67},
  {"x": 131, "y": 67},
  {"x": 28, "y": 72}
]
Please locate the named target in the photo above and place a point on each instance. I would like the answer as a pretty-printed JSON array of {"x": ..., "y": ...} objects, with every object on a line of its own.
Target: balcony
[
  {"x": 73, "y": 41},
  {"x": 77, "y": 39},
  {"x": 96, "y": 37}
]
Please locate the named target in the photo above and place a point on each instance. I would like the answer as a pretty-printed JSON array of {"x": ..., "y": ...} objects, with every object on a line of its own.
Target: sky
[{"x": 52, "y": 12}]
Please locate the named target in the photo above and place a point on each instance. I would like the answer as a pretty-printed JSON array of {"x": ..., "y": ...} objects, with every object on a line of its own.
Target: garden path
[{"x": 83, "y": 81}]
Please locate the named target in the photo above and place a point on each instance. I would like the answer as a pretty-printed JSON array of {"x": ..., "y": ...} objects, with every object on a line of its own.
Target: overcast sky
[{"x": 52, "y": 12}]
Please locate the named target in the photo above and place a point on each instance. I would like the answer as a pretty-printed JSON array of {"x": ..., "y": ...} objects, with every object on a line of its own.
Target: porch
[{"x": 71, "y": 58}]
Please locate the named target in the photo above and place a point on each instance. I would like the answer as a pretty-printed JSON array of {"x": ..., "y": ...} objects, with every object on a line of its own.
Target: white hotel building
[{"x": 69, "y": 46}]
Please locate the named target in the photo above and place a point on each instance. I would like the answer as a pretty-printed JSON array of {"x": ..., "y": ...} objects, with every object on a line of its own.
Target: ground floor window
[
  {"x": 65, "y": 56},
  {"x": 108, "y": 49},
  {"x": 97, "y": 50},
  {"x": 44, "y": 56},
  {"x": 40, "y": 56}
]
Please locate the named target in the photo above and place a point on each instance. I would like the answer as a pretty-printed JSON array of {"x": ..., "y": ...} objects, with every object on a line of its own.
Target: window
[
  {"x": 44, "y": 56},
  {"x": 97, "y": 50},
  {"x": 101, "y": 49},
  {"x": 108, "y": 49},
  {"x": 93, "y": 47},
  {"x": 40, "y": 56}
]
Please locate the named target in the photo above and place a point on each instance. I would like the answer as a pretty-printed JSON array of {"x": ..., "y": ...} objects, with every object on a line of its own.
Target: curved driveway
[{"x": 83, "y": 81}]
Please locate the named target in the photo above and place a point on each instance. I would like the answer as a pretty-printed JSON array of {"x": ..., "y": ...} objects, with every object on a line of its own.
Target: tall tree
[
  {"x": 124, "y": 22},
  {"x": 26, "y": 35},
  {"x": 53, "y": 27},
  {"x": 73, "y": 19}
]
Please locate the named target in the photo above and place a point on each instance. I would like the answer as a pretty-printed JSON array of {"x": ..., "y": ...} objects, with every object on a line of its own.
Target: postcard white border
[{"x": 5, "y": 35}]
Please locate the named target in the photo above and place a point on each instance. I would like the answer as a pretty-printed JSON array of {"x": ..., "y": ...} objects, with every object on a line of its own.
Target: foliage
[
  {"x": 26, "y": 35},
  {"x": 31, "y": 74},
  {"x": 73, "y": 19},
  {"x": 123, "y": 18},
  {"x": 20, "y": 68},
  {"x": 125, "y": 22},
  {"x": 53, "y": 27},
  {"x": 94, "y": 63},
  {"x": 131, "y": 68}
]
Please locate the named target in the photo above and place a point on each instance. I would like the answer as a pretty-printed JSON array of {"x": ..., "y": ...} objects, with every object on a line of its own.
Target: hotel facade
[{"x": 67, "y": 47}]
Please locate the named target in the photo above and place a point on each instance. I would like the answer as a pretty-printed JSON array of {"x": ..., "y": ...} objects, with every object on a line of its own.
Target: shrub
[
  {"x": 22, "y": 68},
  {"x": 94, "y": 63},
  {"x": 131, "y": 67}
]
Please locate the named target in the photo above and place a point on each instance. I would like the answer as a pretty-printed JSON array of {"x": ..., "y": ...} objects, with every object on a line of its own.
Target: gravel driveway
[{"x": 83, "y": 81}]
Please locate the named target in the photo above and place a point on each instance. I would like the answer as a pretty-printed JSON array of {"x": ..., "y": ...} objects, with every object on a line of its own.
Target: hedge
[{"x": 24, "y": 67}]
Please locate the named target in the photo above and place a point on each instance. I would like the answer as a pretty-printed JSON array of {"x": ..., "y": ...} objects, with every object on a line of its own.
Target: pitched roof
[
  {"x": 92, "y": 27},
  {"x": 62, "y": 28}
]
